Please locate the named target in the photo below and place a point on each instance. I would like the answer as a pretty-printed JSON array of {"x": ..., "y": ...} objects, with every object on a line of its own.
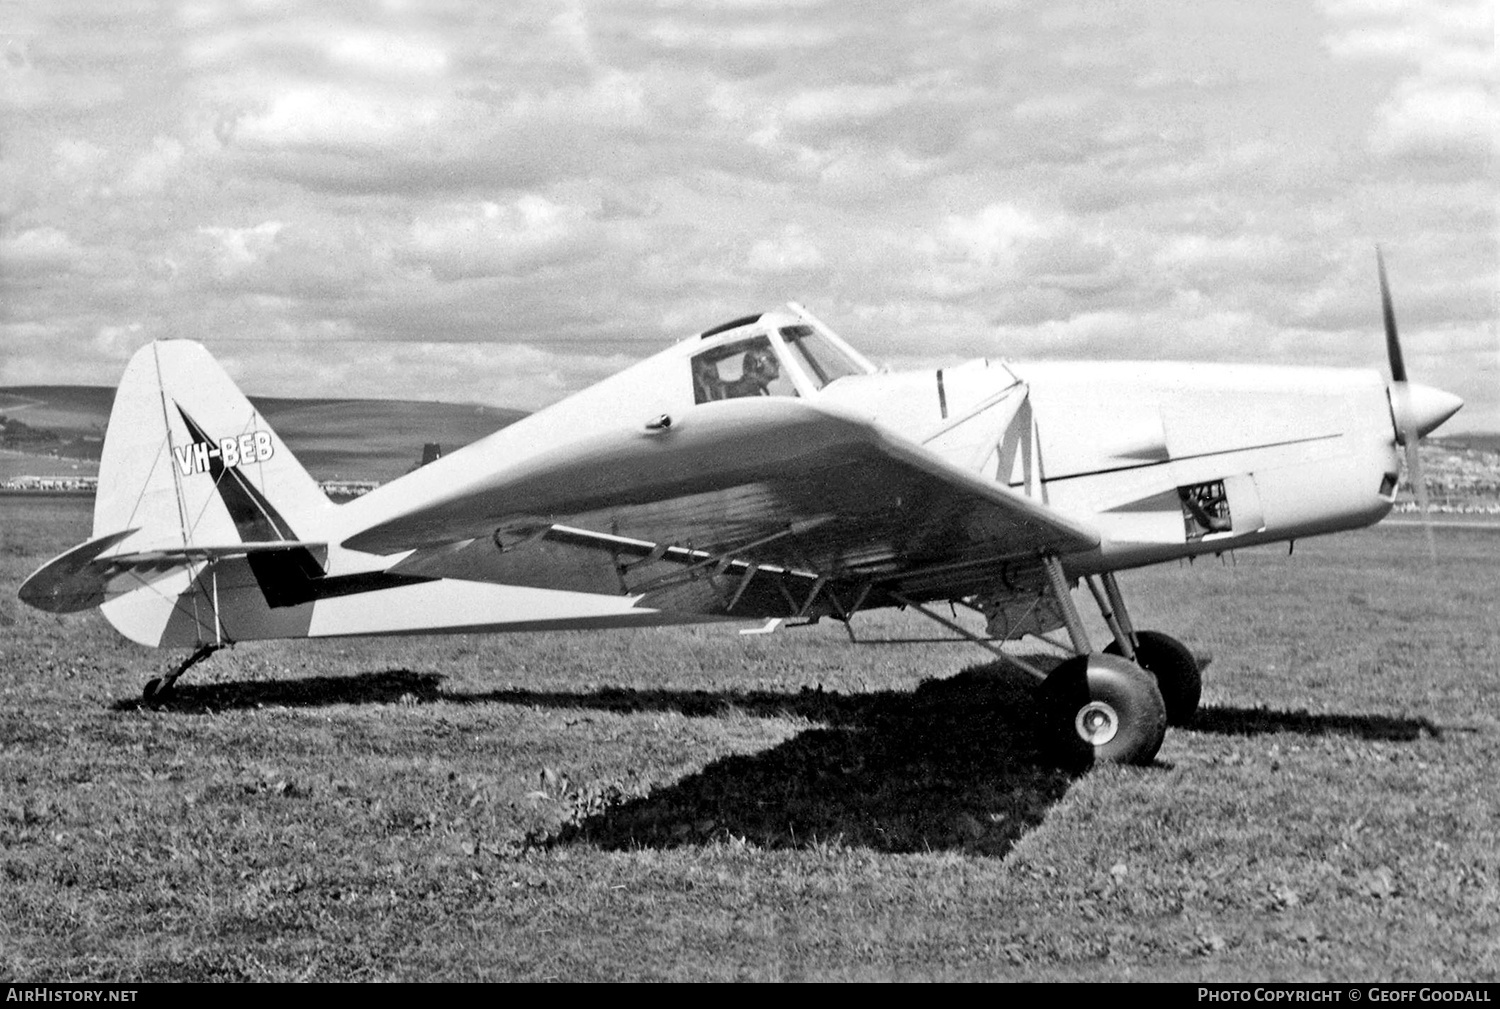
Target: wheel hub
[{"x": 1096, "y": 723}]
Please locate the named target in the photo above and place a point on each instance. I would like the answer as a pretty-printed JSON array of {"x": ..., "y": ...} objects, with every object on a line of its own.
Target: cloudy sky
[{"x": 502, "y": 202}]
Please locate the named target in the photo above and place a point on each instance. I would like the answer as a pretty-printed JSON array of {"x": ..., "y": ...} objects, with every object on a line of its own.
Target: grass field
[{"x": 691, "y": 804}]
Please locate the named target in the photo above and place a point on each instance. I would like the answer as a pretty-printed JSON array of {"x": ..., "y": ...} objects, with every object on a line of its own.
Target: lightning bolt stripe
[
  {"x": 294, "y": 576},
  {"x": 255, "y": 517}
]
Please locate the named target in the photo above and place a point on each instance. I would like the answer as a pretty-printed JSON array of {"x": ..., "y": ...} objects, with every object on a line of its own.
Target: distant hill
[
  {"x": 1476, "y": 441},
  {"x": 349, "y": 439}
]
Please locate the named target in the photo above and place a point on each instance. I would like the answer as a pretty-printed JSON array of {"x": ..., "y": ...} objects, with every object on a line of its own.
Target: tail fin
[
  {"x": 190, "y": 462},
  {"x": 192, "y": 480}
]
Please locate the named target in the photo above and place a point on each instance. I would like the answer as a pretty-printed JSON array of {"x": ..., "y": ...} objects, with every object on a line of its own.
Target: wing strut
[
  {"x": 720, "y": 562},
  {"x": 985, "y": 643},
  {"x": 739, "y": 591}
]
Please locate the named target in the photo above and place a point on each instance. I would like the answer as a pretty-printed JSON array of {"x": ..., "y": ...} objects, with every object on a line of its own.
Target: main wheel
[
  {"x": 1103, "y": 709},
  {"x": 1176, "y": 669},
  {"x": 157, "y": 690}
]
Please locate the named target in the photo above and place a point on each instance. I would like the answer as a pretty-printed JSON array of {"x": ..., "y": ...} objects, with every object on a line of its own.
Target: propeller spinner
[{"x": 1416, "y": 409}]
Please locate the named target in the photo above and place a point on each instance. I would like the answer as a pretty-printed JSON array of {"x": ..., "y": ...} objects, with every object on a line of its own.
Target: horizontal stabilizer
[
  {"x": 70, "y": 582},
  {"x": 85, "y": 577}
]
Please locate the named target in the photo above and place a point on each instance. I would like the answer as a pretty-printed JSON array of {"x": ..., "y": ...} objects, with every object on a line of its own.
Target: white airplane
[{"x": 760, "y": 470}]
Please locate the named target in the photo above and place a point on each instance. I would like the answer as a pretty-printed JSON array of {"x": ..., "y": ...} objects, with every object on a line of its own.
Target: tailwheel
[
  {"x": 157, "y": 689},
  {"x": 1178, "y": 674},
  {"x": 1104, "y": 709}
]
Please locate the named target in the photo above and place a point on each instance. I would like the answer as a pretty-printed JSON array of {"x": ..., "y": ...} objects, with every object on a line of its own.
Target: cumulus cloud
[
  {"x": 154, "y": 169},
  {"x": 991, "y": 237},
  {"x": 519, "y": 376},
  {"x": 37, "y": 251},
  {"x": 689, "y": 31},
  {"x": 1240, "y": 254},
  {"x": 849, "y": 102},
  {"x": 118, "y": 342},
  {"x": 79, "y": 158},
  {"x": 493, "y": 239},
  {"x": 302, "y": 265},
  {"x": 789, "y": 252},
  {"x": 336, "y": 117},
  {"x": 236, "y": 249},
  {"x": 1426, "y": 119},
  {"x": 1035, "y": 261},
  {"x": 1443, "y": 106},
  {"x": 387, "y": 54}
]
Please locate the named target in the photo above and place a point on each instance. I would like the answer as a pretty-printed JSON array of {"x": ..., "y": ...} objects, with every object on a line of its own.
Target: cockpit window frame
[
  {"x": 791, "y": 364},
  {"x": 796, "y": 368},
  {"x": 811, "y": 365},
  {"x": 743, "y": 344}
]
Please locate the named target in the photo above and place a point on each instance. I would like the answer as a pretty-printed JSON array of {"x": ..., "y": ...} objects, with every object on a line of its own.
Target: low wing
[
  {"x": 760, "y": 483},
  {"x": 90, "y": 574}
]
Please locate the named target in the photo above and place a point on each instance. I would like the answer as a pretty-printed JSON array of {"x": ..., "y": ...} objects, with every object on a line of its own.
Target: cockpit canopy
[{"x": 776, "y": 354}]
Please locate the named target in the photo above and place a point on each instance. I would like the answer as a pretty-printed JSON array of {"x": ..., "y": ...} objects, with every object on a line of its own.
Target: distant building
[
  {"x": 431, "y": 452},
  {"x": 347, "y": 489},
  {"x": 52, "y": 484}
]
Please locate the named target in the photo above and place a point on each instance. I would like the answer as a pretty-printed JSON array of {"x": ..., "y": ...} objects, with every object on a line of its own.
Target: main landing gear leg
[
  {"x": 1179, "y": 674},
  {"x": 158, "y": 689},
  {"x": 1100, "y": 708}
]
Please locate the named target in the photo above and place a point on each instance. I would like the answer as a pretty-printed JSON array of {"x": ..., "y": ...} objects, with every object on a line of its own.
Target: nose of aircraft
[{"x": 1418, "y": 409}]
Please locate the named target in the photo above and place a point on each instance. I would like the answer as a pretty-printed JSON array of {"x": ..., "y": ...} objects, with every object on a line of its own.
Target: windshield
[{"x": 820, "y": 358}]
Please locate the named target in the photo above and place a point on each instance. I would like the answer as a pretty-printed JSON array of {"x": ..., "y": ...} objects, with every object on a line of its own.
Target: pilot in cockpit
[{"x": 759, "y": 371}]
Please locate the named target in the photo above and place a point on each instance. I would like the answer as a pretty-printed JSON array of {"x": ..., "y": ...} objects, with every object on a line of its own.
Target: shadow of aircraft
[
  {"x": 958, "y": 764},
  {"x": 394, "y": 686},
  {"x": 389, "y": 686},
  {"x": 1228, "y": 721}
]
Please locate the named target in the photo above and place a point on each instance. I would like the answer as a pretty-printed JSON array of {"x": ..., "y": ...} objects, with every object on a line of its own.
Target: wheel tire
[
  {"x": 1104, "y": 709},
  {"x": 1178, "y": 676},
  {"x": 156, "y": 690}
]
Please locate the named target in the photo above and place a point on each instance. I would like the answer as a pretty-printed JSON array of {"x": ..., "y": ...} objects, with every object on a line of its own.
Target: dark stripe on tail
[{"x": 287, "y": 577}]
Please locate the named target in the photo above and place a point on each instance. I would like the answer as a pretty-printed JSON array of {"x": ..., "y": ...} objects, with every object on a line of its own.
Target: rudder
[{"x": 188, "y": 459}]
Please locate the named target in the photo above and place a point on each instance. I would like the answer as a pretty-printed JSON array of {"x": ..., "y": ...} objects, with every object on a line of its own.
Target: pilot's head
[{"x": 761, "y": 365}]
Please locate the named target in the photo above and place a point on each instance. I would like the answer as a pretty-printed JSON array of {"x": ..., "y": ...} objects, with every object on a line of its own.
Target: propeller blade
[
  {"x": 1419, "y": 488},
  {"x": 1392, "y": 343},
  {"x": 1416, "y": 409}
]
